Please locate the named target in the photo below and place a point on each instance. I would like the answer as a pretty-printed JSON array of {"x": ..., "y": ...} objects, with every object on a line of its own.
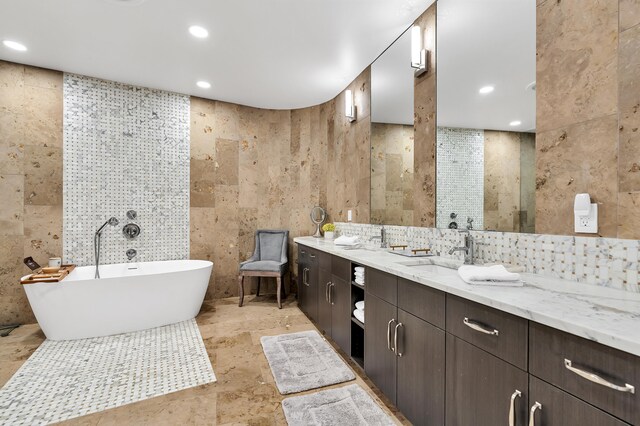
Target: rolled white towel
[
  {"x": 359, "y": 315},
  {"x": 489, "y": 275},
  {"x": 360, "y": 305},
  {"x": 344, "y": 240}
]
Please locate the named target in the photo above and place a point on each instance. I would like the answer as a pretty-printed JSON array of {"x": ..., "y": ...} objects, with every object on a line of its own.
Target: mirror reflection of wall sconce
[
  {"x": 349, "y": 107},
  {"x": 419, "y": 54}
]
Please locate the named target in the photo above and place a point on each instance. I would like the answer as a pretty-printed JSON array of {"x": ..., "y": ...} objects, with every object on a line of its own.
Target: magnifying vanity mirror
[
  {"x": 485, "y": 138},
  {"x": 318, "y": 216}
]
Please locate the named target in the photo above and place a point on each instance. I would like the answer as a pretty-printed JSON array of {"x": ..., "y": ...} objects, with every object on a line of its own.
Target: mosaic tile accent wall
[
  {"x": 460, "y": 177},
  {"x": 607, "y": 262},
  {"x": 125, "y": 148}
]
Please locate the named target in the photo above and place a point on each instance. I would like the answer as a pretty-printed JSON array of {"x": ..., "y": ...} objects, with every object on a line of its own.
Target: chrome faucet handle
[{"x": 131, "y": 253}]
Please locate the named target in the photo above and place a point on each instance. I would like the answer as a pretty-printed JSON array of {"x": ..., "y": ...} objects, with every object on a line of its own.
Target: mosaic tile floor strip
[{"x": 67, "y": 379}]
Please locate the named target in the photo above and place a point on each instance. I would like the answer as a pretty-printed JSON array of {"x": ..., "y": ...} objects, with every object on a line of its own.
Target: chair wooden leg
[
  {"x": 284, "y": 288},
  {"x": 279, "y": 285},
  {"x": 241, "y": 289},
  {"x": 259, "y": 282}
]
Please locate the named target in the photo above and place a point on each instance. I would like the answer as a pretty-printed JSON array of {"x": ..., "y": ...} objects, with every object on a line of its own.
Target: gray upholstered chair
[{"x": 269, "y": 259}]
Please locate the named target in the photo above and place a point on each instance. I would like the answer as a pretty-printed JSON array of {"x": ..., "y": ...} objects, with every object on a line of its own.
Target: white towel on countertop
[
  {"x": 359, "y": 315},
  {"x": 343, "y": 240},
  {"x": 489, "y": 275},
  {"x": 360, "y": 305}
]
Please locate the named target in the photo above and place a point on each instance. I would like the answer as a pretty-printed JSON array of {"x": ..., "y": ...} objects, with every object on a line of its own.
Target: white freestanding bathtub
[{"x": 123, "y": 300}]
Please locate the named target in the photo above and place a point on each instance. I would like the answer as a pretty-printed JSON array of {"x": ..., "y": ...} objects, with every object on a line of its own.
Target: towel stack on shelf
[
  {"x": 358, "y": 275},
  {"x": 359, "y": 311}
]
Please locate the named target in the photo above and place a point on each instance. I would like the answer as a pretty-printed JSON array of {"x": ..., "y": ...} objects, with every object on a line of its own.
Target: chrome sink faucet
[
  {"x": 467, "y": 249},
  {"x": 382, "y": 237}
]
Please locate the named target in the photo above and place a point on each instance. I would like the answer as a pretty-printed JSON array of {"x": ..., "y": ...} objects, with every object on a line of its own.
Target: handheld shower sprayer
[{"x": 96, "y": 241}]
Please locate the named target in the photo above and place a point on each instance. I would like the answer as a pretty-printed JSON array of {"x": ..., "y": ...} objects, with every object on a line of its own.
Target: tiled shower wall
[
  {"x": 460, "y": 177},
  {"x": 125, "y": 148},
  {"x": 608, "y": 262}
]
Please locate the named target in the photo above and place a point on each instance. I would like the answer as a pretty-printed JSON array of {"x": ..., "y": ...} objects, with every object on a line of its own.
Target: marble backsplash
[{"x": 608, "y": 262}]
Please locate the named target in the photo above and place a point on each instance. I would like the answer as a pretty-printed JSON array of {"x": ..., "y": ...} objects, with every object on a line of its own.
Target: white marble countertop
[{"x": 607, "y": 316}]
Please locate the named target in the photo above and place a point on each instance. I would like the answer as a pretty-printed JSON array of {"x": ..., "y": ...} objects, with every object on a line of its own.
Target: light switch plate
[
  {"x": 587, "y": 224},
  {"x": 349, "y": 215}
]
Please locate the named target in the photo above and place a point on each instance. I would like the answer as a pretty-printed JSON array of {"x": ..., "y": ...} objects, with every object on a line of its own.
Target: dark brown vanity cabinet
[
  {"x": 404, "y": 354},
  {"x": 487, "y": 379},
  {"x": 334, "y": 299},
  {"x": 308, "y": 282}
]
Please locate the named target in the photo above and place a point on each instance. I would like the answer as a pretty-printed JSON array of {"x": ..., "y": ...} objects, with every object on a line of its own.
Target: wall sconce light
[
  {"x": 419, "y": 55},
  {"x": 349, "y": 107}
]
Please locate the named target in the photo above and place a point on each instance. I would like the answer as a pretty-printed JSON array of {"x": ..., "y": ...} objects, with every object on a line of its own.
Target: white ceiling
[
  {"x": 488, "y": 42},
  {"x": 264, "y": 53},
  {"x": 480, "y": 42}
]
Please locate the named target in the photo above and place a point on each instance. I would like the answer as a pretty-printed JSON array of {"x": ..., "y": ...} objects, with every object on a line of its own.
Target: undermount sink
[{"x": 428, "y": 265}]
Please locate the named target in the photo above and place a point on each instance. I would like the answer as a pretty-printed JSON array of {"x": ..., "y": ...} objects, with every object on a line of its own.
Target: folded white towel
[
  {"x": 359, "y": 269},
  {"x": 489, "y": 275},
  {"x": 343, "y": 240},
  {"x": 359, "y": 281},
  {"x": 358, "y": 275},
  {"x": 359, "y": 315},
  {"x": 360, "y": 305}
]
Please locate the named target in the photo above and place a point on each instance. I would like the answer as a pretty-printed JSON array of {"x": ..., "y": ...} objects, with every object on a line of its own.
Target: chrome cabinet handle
[
  {"x": 512, "y": 408},
  {"x": 313, "y": 256},
  {"x": 479, "y": 327},
  {"x": 389, "y": 335},
  {"x": 326, "y": 292},
  {"x": 305, "y": 276},
  {"x": 592, "y": 377},
  {"x": 395, "y": 339},
  {"x": 303, "y": 252},
  {"x": 331, "y": 293},
  {"x": 532, "y": 415}
]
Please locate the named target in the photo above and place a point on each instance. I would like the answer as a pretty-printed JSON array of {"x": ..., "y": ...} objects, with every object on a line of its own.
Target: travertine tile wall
[
  {"x": 424, "y": 95},
  {"x": 588, "y": 113},
  {"x": 254, "y": 169},
  {"x": 391, "y": 173},
  {"x": 30, "y": 178}
]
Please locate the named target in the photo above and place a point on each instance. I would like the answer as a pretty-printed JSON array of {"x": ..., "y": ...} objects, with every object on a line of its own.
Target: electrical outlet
[
  {"x": 587, "y": 224},
  {"x": 349, "y": 215}
]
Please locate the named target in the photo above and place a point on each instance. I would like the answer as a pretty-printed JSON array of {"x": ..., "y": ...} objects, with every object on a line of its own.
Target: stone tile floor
[{"x": 245, "y": 393}]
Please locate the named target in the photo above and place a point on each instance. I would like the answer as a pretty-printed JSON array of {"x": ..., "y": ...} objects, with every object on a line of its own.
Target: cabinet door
[
  {"x": 379, "y": 362},
  {"x": 480, "y": 386},
  {"x": 421, "y": 370},
  {"x": 324, "y": 307},
  {"x": 303, "y": 291},
  {"x": 311, "y": 287},
  {"x": 340, "y": 298},
  {"x": 559, "y": 408}
]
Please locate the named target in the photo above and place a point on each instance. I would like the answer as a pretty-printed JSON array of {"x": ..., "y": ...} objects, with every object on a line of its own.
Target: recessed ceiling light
[
  {"x": 203, "y": 84},
  {"x": 198, "y": 31},
  {"x": 486, "y": 89},
  {"x": 14, "y": 45},
  {"x": 515, "y": 123}
]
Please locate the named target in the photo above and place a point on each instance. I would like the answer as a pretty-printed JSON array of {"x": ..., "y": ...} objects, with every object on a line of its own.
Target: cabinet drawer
[
  {"x": 559, "y": 358},
  {"x": 424, "y": 302},
  {"x": 323, "y": 260},
  {"x": 341, "y": 268},
  {"x": 560, "y": 408},
  {"x": 499, "y": 333},
  {"x": 381, "y": 284}
]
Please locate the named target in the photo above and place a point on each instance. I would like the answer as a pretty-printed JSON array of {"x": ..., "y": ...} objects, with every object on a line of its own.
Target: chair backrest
[{"x": 272, "y": 244}]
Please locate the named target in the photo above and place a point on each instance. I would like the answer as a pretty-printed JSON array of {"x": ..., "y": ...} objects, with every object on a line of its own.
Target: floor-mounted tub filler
[{"x": 122, "y": 300}]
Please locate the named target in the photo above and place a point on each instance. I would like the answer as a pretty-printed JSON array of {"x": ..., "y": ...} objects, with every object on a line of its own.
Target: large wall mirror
[
  {"x": 485, "y": 147},
  {"x": 392, "y": 135},
  {"x": 486, "y": 107}
]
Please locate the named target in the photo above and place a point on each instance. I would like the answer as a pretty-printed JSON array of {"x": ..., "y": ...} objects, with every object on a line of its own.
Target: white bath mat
[
  {"x": 302, "y": 361},
  {"x": 348, "y": 405},
  {"x": 68, "y": 379}
]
